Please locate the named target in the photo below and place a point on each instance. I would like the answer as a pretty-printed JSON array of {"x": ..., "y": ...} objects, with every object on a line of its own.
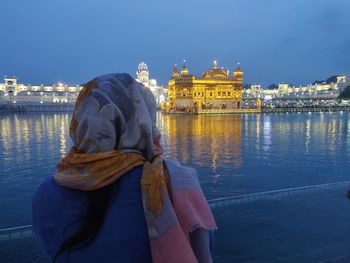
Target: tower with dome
[{"x": 143, "y": 76}]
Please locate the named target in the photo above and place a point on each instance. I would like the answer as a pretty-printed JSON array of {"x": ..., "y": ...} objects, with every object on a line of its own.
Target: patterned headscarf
[
  {"x": 113, "y": 129},
  {"x": 115, "y": 112}
]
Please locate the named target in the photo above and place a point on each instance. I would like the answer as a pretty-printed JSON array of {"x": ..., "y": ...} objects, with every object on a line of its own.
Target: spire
[
  {"x": 184, "y": 69},
  {"x": 238, "y": 72},
  {"x": 238, "y": 64},
  {"x": 175, "y": 72},
  {"x": 238, "y": 68},
  {"x": 215, "y": 64},
  {"x": 184, "y": 63}
]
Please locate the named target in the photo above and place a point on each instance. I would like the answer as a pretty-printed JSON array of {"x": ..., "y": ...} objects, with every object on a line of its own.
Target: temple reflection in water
[{"x": 203, "y": 139}]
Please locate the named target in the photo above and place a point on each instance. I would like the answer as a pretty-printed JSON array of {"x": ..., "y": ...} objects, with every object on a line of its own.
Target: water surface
[{"x": 233, "y": 154}]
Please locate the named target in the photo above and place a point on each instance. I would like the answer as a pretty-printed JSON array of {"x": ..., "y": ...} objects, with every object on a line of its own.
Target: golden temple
[{"x": 216, "y": 90}]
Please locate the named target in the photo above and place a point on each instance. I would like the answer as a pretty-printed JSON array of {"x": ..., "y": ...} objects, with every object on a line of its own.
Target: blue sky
[{"x": 295, "y": 41}]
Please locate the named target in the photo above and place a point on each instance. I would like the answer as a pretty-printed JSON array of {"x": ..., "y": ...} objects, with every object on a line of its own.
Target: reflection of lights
[
  {"x": 333, "y": 134},
  {"x": 161, "y": 98},
  {"x": 266, "y": 133},
  {"x": 63, "y": 131},
  {"x": 215, "y": 178},
  {"x": 308, "y": 134},
  {"x": 214, "y": 139},
  {"x": 257, "y": 129}
]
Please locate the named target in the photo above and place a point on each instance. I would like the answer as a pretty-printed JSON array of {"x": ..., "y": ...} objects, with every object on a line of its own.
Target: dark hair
[{"x": 98, "y": 201}]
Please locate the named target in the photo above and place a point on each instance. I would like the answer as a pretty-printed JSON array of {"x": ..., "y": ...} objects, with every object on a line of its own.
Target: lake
[{"x": 233, "y": 154}]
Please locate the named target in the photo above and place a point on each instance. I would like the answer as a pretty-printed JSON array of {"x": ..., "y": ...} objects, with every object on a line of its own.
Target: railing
[
  {"x": 306, "y": 109},
  {"x": 45, "y": 107},
  {"x": 16, "y": 232},
  {"x": 240, "y": 199},
  {"x": 27, "y": 231},
  {"x": 227, "y": 111}
]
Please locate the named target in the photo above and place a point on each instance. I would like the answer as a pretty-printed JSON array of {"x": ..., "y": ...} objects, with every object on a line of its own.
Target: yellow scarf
[{"x": 95, "y": 170}]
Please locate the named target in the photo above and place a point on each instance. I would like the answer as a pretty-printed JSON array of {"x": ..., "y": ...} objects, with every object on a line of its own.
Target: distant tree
[
  {"x": 345, "y": 93},
  {"x": 318, "y": 82},
  {"x": 272, "y": 86},
  {"x": 332, "y": 79},
  {"x": 246, "y": 86}
]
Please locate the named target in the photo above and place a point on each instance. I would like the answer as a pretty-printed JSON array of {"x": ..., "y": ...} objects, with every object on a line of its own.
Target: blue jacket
[{"x": 123, "y": 236}]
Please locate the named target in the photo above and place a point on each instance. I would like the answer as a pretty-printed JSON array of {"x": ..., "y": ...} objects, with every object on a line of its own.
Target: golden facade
[{"x": 215, "y": 90}]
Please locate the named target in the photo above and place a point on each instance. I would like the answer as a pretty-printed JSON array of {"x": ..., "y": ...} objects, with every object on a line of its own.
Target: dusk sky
[{"x": 293, "y": 41}]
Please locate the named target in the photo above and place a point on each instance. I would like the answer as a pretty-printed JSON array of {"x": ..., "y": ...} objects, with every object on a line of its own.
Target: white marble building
[
  {"x": 12, "y": 92},
  {"x": 143, "y": 76},
  {"x": 327, "y": 89}
]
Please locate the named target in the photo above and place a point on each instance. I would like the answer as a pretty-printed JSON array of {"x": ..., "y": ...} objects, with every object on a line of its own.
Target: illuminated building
[
  {"x": 143, "y": 76},
  {"x": 329, "y": 89},
  {"x": 14, "y": 93},
  {"x": 214, "y": 90}
]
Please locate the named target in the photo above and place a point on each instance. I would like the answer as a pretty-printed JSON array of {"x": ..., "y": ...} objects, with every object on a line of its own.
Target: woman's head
[
  {"x": 112, "y": 112},
  {"x": 115, "y": 112}
]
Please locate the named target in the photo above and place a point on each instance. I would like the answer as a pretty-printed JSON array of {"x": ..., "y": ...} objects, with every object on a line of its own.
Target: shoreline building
[
  {"x": 284, "y": 94},
  {"x": 143, "y": 76},
  {"x": 215, "y": 89},
  {"x": 59, "y": 97},
  {"x": 14, "y": 95}
]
